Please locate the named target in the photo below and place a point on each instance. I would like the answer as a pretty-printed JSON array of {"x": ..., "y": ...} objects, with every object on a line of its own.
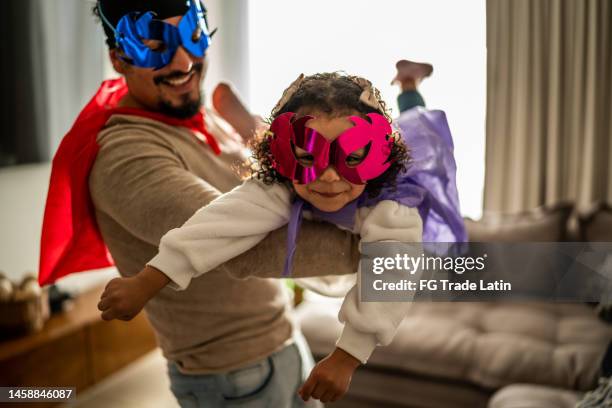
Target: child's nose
[{"x": 329, "y": 175}]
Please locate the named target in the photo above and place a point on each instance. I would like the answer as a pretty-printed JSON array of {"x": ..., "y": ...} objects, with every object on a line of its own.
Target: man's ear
[{"x": 119, "y": 65}]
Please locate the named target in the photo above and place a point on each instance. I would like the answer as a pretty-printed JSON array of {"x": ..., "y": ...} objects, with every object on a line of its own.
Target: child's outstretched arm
[
  {"x": 227, "y": 227},
  {"x": 366, "y": 324},
  {"x": 222, "y": 230}
]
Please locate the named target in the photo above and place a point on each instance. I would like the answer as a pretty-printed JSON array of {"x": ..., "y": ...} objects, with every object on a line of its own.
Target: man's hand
[
  {"x": 228, "y": 104},
  {"x": 330, "y": 378},
  {"x": 124, "y": 298}
]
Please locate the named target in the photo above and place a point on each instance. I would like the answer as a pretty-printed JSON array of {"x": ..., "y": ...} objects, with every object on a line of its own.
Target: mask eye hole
[
  {"x": 358, "y": 156},
  {"x": 197, "y": 34},
  {"x": 303, "y": 157},
  {"x": 154, "y": 45}
]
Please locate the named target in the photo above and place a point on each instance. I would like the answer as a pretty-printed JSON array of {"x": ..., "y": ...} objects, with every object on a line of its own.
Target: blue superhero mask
[{"x": 150, "y": 43}]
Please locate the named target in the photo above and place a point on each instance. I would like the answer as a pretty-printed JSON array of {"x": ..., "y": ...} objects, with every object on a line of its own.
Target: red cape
[{"x": 71, "y": 241}]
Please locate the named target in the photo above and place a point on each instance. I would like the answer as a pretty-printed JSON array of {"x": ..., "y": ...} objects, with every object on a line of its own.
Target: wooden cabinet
[{"x": 75, "y": 348}]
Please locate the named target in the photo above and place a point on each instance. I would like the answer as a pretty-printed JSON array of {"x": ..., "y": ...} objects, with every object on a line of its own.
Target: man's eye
[
  {"x": 155, "y": 45},
  {"x": 197, "y": 34}
]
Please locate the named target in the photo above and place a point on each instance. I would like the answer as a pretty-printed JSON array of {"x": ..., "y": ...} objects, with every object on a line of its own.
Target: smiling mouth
[
  {"x": 178, "y": 80},
  {"x": 327, "y": 195}
]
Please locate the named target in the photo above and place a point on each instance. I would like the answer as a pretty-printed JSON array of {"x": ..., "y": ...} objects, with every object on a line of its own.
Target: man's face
[{"x": 173, "y": 89}]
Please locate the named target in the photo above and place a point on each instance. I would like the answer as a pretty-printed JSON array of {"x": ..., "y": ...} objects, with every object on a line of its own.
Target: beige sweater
[{"x": 149, "y": 178}]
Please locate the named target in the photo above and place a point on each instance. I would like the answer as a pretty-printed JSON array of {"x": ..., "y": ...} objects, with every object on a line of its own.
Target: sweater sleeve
[
  {"x": 227, "y": 227},
  {"x": 337, "y": 254},
  {"x": 368, "y": 324}
]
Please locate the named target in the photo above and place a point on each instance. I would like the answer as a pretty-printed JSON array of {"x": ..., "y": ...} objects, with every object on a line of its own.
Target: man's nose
[
  {"x": 181, "y": 61},
  {"x": 330, "y": 175}
]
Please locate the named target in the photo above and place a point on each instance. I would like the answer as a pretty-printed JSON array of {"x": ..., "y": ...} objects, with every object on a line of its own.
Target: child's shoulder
[
  {"x": 388, "y": 213},
  {"x": 256, "y": 186},
  {"x": 389, "y": 208},
  {"x": 257, "y": 183}
]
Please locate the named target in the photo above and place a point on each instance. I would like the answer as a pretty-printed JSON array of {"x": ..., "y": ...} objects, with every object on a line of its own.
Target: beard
[
  {"x": 186, "y": 109},
  {"x": 188, "y": 106}
]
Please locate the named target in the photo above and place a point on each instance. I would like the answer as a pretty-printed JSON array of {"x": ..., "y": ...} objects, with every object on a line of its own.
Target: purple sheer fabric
[
  {"x": 295, "y": 220},
  {"x": 429, "y": 184}
]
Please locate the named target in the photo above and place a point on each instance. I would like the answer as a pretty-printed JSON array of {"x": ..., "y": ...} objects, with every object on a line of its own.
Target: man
[{"x": 157, "y": 158}]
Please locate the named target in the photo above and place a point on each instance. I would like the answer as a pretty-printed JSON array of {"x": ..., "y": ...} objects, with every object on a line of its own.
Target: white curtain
[
  {"x": 75, "y": 55},
  {"x": 229, "y": 52}
]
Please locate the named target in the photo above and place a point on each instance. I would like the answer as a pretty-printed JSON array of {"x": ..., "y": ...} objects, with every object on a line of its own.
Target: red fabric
[{"x": 71, "y": 241}]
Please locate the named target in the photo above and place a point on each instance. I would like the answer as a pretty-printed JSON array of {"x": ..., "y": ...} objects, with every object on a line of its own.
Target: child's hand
[
  {"x": 330, "y": 378},
  {"x": 124, "y": 298}
]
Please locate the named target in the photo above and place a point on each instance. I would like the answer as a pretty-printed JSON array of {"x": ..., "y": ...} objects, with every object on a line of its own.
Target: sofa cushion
[
  {"x": 597, "y": 226},
  {"x": 539, "y": 225},
  {"x": 373, "y": 388},
  {"x": 488, "y": 344},
  {"x": 533, "y": 396}
]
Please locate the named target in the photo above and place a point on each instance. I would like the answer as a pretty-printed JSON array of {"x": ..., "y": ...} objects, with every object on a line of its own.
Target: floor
[{"x": 143, "y": 384}]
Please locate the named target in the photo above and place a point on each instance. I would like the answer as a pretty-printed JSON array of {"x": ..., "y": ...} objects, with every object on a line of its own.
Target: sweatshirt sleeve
[
  {"x": 368, "y": 324},
  {"x": 225, "y": 228}
]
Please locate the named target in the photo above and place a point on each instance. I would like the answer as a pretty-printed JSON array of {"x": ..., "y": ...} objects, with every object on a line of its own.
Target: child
[{"x": 331, "y": 153}]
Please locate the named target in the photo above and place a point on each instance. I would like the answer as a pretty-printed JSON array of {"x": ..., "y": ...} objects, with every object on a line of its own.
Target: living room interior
[{"x": 527, "y": 89}]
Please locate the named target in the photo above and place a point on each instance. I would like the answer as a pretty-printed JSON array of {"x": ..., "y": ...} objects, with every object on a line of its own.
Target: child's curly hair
[{"x": 335, "y": 94}]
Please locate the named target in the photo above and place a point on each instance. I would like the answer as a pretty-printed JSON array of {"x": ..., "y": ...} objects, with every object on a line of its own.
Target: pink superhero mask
[{"x": 374, "y": 137}]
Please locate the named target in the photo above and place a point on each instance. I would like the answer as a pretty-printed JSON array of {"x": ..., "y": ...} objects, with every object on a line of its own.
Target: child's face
[{"x": 330, "y": 192}]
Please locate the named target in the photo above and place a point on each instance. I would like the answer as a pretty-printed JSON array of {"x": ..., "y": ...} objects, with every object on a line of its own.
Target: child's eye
[
  {"x": 303, "y": 157},
  {"x": 357, "y": 156},
  {"x": 306, "y": 160},
  {"x": 352, "y": 161}
]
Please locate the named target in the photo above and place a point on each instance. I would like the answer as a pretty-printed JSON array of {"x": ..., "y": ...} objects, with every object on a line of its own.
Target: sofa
[{"x": 496, "y": 355}]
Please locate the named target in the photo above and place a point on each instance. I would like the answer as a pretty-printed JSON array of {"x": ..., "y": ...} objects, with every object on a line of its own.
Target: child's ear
[{"x": 119, "y": 65}]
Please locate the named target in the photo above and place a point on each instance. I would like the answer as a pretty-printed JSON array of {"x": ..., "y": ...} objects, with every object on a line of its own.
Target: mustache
[{"x": 197, "y": 68}]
